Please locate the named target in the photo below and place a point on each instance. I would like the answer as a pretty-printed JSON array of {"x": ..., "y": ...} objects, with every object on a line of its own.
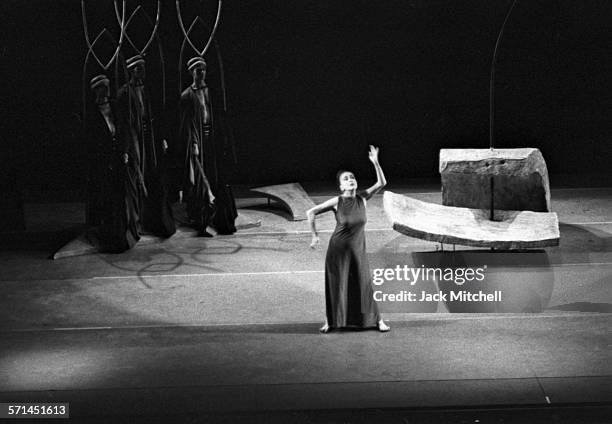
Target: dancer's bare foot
[
  {"x": 382, "y": 327},
  {"x": 325, "y": 329}
]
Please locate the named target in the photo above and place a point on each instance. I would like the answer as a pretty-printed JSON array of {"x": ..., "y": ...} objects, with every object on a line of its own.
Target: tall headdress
[
  {"x": 141, "y": 52},
  {"x": 104, "y": 33},
  {"x": 134, "y": 60},
  {"x": 199, "y": 57},
  {"x": 195, "y": 61},
  {"x": 98, "y": 80}
]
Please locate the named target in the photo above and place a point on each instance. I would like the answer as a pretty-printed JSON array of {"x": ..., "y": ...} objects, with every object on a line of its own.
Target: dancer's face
[
  {"x": 101, "y": 91},
  {"x": 138, "y": 72},
  {"x": 199, "y": 73},
  {"x": 347, "y": 181}
]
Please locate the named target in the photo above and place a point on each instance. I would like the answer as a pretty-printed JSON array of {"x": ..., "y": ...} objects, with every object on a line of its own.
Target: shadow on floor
[
  {"x": 576, "y": 239},
  {"x": 499, "y": 281},
  {"x": 274, "y": 207},
  {"x": 584, "y": 307}
]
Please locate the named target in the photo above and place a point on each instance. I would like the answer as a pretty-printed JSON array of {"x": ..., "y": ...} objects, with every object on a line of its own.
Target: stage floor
[{"x": 230, "y": 324}]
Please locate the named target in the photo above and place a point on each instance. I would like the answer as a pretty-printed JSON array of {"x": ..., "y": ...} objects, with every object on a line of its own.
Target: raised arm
[
  {"x": 311, "y": 213},
  {"x": 381, "y": 181}
]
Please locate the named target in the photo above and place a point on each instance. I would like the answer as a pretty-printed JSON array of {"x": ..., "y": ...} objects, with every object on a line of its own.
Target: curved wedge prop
[
  {"x": 291, "y": 196},
  {"x": 471, "y": 227}
]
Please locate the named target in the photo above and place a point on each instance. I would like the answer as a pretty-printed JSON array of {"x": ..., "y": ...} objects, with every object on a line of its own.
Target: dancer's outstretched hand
[
  {"x": 373, "y": 154},
  {"x": 315, "y": 241}
]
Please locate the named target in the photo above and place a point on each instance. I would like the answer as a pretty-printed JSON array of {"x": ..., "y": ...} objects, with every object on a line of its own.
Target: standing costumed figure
[
  {"x": 209, "y": 199},
  {"x": 112, "y": 205},
  {"x": 147, "y": 155}
]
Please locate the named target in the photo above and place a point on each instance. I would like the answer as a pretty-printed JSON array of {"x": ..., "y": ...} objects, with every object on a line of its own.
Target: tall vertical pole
[
  {"x": 492, "y": 106},
  {"x": 492, "y": 79}
]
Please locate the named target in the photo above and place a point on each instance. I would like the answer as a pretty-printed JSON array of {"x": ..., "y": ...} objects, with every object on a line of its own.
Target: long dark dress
[
  {"x": 111, "y": 206},
  {"x": 147, "y": 161},
  {"x": 348, "y": 291}
]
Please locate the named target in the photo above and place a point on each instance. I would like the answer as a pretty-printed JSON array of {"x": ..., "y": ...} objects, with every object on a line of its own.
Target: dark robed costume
[
  {"x": 147, "y": 162},
  {"x": 112, "y": 205},
  {"x": 197, "y": 126},
  {"x": 348, "y": 291}
]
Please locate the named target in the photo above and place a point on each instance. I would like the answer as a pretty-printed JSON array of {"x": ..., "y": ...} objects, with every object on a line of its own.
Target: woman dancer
[{"x": 349, "y": 298}]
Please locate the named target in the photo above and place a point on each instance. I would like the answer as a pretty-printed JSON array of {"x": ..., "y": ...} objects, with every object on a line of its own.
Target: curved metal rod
[
  {"x": 154, "y": 36},
  {"x": 214, "y": 30},
  {"x": 182, "y": 26},
  {"x": 228, "y": 127},
  {"x": 186, "y": 33},
  {"x": 219, "y": 60},
  {"x": 221, "y": 76},
  {"x": 89, "y": 54},
  {"x": 492, "y": 79},
  {"x": 218, "y": 53},
  {"x": 132, "y": 15},
  {"x": 162, "y": 59},
  {"x": 128, "y": 23},
  {"x": 182, "y": 50},
  {"x": 95, "y": 41},
  {"x": 89, "y": 43},
  {"x": 120, "y": 64},
  {"x": 116, "y": 75},
  {"x": 163, "y": 70}
]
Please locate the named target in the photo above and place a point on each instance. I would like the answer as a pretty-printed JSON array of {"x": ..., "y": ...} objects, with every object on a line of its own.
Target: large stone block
[{"x": 520, "y": 179}]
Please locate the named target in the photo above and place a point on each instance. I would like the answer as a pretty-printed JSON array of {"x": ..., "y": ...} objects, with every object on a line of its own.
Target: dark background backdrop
[{"x": 312, "y": 82}]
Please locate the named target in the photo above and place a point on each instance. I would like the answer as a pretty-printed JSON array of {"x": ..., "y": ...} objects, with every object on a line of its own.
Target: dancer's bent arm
[
  {"x": 381, "y": 181},
  {"x": 328, "y": 205}
]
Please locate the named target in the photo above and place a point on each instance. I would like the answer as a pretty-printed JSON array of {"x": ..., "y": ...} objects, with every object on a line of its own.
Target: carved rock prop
[
  {"x": 520, "y": 179},
  {"x": 471, "y": 227}
]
